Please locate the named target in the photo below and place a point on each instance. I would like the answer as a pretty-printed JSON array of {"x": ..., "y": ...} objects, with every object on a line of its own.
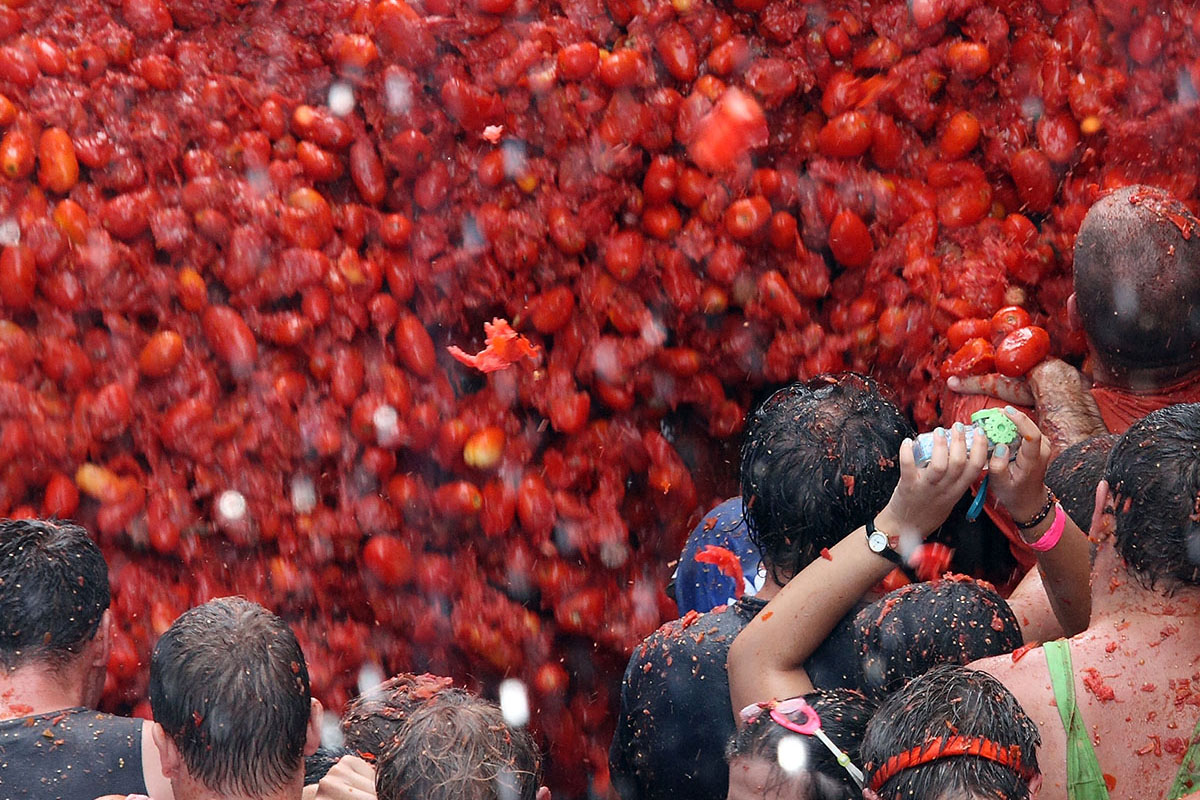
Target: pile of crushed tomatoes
[{"x": 239, "y": 237}]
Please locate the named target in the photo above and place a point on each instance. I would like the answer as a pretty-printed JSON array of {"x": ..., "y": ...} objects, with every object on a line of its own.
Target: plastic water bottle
[{"x": 994, "y": 423}]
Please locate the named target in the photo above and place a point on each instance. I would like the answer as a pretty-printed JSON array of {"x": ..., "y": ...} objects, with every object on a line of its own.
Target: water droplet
[
  {"x": 331, "y": 730},
  {"x": 10, "y": 231},
  {"x": 514, "y": 702},
  {"x": 397, "y": 89},
  {"x": 369, "y": 677},
  {"x": 304, "y": 494},
  {"x": 387, "y": 423},
  {"x": 231, "y": 505},
  {"x": 341, "y": 98},
  {"x": 791, "y": 754}
]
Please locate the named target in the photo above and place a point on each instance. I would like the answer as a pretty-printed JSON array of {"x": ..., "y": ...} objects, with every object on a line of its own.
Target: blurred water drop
[
  {"x": 231, "y": 505},
  {"x": 513, "y": 151},
  {"x": 259, "y": 180},
  {"x": 1193, "y": 543},
  {"x": 10, "y": 232},
  {"x": 369, "y": 677},
  {"x": 506, "y": 785},
  {"x": 387, "y": 423},
  {"x": 331, "y": 730},
  {"x": 397, "y": 89},
  {"x": 1125, "y": 297},
  {"x": 613, "y": 554},
  {"x": 304, "y": 494},
  {"x": 473, "y": 240},
  {"x": 514, "y": 702},
  {"x": 341, "y": 98},
  {"x": 654, "y": 333},
  {"x": 909, "y": 542},
  {"x": 791, "y": 755},
  {"x": 1185, "y": 90},
  {"x": 1032, "y": 108}
]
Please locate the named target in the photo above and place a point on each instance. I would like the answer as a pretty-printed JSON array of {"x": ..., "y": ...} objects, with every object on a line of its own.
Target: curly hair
[
  {"x": 457, "y": 746},
  {"x": 1153, "y": 473},
  {"x": 907, "y": 632},
  {"x": 950, "y": 701},
  {"x": 372, "y": 721},
  {"x": 844, "y": 715},
  {"x": 1137, "y": 279},
  {"x": 820, "y": 458}
]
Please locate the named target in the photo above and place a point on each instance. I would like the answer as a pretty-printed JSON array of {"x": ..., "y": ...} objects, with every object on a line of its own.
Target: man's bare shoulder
[{"x": 1024, "y": 673}]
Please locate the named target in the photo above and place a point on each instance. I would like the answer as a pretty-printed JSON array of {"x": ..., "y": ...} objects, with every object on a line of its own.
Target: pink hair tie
[{"x": 1051, "y": 537}]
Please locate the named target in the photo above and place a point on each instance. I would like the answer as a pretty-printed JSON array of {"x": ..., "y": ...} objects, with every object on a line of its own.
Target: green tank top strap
[
  {"x": 1187, "y": 780},
  {"x": 1085, "y": 781}
]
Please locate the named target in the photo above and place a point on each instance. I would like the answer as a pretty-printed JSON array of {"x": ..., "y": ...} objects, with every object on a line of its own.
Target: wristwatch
[{"x": 883, "y": 544}]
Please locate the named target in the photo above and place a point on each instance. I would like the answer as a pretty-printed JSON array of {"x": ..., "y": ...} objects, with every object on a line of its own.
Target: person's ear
[
  {"x": 1035, "y": 785},
  {"x": 313, "y": 738},
  {"x": 104, "y": 637},
  {"x": 1073, "y": 313},
  {"x": 1102, "y": 513},
  {"x": 543, "y": 793},
  {"x": 168, "y": 754}
]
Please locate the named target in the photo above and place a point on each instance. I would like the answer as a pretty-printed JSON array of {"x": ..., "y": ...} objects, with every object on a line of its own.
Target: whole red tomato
[
  {"x": 1007, "y": 320},
  {"x": 1022, "y": 350}
]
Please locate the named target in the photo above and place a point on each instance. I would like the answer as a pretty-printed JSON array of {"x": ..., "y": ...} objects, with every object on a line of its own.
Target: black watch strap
[{"x": 887, "y": 552}]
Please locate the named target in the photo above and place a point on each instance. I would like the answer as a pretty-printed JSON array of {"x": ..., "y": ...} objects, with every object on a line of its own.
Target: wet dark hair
[
  {"x": 844, "y": 715},
  {"x": 1154, "y": 474},
  {"x": 372, "y": 721},
  {"x": 951, "y": 701},
  {"x": 909, "y": 631},
  {"x": 457, "y": 746},
  {"x": 1074, "y": 473},
  {"x": 1137, "y": 279},
  {"x": 229, "y": 685},
  {"x": 53, "y": 591},
  {"x": 820, "y": 458}
]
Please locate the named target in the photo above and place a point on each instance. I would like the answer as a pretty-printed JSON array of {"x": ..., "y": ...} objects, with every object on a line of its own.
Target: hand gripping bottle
[{"x": 994, "y": 423}]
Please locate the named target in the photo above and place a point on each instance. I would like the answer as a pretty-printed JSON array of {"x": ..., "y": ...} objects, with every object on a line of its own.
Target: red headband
[{"x": 934, "y": 749}]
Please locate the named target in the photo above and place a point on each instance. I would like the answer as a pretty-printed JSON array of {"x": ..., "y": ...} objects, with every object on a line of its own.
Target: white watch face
[{"x": 877, "y": 541}]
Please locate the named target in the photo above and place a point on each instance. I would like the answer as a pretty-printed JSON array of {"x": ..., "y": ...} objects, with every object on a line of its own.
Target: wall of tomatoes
[{"x": 238, "y": 236}]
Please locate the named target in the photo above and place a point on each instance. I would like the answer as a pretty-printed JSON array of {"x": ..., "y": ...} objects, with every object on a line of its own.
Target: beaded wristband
[
  {"x": 1041, "y": 515},
  {"x": 1051, "y": 537}
]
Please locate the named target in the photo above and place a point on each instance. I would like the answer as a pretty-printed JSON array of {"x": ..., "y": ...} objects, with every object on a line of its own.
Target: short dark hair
[
  {"x": 53, "y": 591},
  {"x": 951, "y": 701},
  {"x": 820, "y": 459},
  {"x": 229, "y": 685},
  {"x": 1137, "y": 279},
  {"x": 457, "y": 746},
  {"x": 907, "y": 632},
  {"x": 1154, "y": 474},
  {"x": 1074, "y": 473},
  {"x": 844, "y": 715},
  {"x": 372, "y": 721}
]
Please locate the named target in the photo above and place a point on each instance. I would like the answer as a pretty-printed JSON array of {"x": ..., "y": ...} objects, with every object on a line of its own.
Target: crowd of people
[{"x": 792, "y": 671}]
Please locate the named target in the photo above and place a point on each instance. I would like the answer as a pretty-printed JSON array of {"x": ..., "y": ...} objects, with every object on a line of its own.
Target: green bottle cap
[{"x": 996, "y": 424}]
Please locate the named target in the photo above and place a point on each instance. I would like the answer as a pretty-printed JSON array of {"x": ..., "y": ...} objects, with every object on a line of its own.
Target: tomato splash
[
  {"x": 727, "y": 562},
  {"x": 503, "y": 348}
]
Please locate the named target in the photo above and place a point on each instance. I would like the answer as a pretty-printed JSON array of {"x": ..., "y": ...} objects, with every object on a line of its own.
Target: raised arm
[
  {"x": 767, "y": 659},
  {"x": 1021, "y": 488}
]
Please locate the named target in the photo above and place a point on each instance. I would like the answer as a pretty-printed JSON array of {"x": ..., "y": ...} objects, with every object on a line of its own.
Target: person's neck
[
  {"x": 1140, "y": 379},
  {"x": 187, "y": 789},
  {"x": 37, "y": 689},
  {"x": 1117, "y": 592},
  {"x": 769, "y": 589}
]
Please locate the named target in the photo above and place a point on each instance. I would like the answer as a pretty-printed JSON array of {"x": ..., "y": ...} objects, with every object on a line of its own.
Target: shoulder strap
[
  {"x": 1188, "y": 777},
  {"x": 1084, "y": 779}
]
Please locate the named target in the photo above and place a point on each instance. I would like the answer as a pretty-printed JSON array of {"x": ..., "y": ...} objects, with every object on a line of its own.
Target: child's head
[
  {"x": 951, "y": 733},
  {"x": 770, "y": 759}
]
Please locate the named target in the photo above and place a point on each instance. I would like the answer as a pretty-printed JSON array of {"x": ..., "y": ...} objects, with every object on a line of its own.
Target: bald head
[{"x": 1137, "y": 280}]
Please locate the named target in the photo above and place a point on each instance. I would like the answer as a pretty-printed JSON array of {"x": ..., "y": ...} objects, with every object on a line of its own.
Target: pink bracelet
[{"x": 1050, "y": 538}]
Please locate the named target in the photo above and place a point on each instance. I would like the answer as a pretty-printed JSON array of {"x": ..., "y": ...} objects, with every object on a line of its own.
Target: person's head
[
  {"x": 457, "y": 746},
  {"x": 950, "y": 734},
  {"x": 770, "y": 760},
  {"x": 703, "y": 580},
  {"x": 230, "y": 694},
  {"x": 820, "y": 458},
  {"x": 372, "y": 721},
  {"x": 1153, "y": 477},
  {"x": 1137, "y": 281},
  {"x": 53, "y": 602},
  {"x": 907, "y": 632},
  {"x": 1074, "y": 473}
]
